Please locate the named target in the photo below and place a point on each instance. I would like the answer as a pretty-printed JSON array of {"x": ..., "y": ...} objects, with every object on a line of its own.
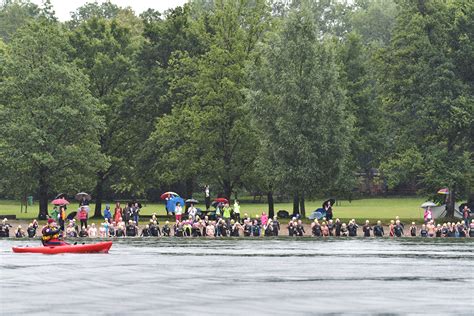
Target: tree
[
  {"x": 104, "y": 50},
  {"x": 45, "y": 139},
  {"x": 300, "y": 106},
  {"x": 428, "y": 103}
]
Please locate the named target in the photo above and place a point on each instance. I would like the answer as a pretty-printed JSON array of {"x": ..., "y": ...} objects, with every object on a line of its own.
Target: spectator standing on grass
[
  {"x": 82, "y": 215},
  {"x": 428, "y": 215},
  {"x": 117, "y": 213},
  {"x": 136, "y": 212},
  {"x": 178, "y": 212},
  {"x": 207, "y": 197},
  {"x": 237, "y": 211},
  {"x": 466, "y": 212},
  {"x": 107, "y": 213}
]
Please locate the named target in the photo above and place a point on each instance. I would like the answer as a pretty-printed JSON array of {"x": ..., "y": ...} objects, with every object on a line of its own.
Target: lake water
[{"x": 244, "y": 276}]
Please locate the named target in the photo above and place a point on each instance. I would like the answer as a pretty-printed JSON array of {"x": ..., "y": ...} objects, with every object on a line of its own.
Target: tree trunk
[
  {"x": 296, "y": 204},
  {"x": 451, "y": 202},
  {"x": 302, "y": 206},
  {"x": 227, "y": 189},
  {"x": 99, "y": 195},
  {"x": 271, "y": 206},
  {"x": 43, "y": 194},
  {"x": 189, "y": 188}
]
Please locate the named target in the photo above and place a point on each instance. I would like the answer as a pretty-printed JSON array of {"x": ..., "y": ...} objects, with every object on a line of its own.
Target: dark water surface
[{"x": 243, "y": 276}]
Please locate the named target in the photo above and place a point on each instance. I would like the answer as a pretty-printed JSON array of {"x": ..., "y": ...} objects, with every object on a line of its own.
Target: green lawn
[{"x": 377, "y": 208}]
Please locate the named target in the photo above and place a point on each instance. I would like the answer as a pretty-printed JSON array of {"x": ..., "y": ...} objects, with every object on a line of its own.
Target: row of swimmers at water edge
[
  {"x": 51, "y": 232},
  {"x": 395, "y": 229}
]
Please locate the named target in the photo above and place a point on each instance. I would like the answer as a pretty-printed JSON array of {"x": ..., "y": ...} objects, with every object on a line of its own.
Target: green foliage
[
  {"x": 14, "y": 14},
  {"x": 429, "y": 102},
  {"x": 49, "y": 122},
  {"x": 301, "y": 107}
]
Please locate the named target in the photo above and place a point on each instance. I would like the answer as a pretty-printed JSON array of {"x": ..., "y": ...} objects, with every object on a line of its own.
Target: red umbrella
[
  {"x": 167, "y": 195},
  {"x": 60, "y": 202},
  {"x": 221, "y": 200}
]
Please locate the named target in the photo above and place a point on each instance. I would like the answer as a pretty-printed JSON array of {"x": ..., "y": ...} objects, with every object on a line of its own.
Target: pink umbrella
[{"x": 60, "y": 202}]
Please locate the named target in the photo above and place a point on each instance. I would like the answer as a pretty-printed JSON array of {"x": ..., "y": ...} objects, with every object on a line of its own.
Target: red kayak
[{"x": 102, "y": 247}]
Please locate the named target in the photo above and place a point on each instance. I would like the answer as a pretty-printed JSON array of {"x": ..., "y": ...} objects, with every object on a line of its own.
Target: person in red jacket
[{"x": 52, "y": 234}]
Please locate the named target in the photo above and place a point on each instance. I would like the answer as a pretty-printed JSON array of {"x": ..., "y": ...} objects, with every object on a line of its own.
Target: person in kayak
[{"x": 52, "y": 234}]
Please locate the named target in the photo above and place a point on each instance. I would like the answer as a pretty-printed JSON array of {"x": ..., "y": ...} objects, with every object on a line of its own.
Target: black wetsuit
[
  {"x": 423, "y": 233},
  {"x": 338, "y": 226},
  {"x": 247, "y": 230},
  {"x": 131, "y": 230},
  {"x": 83, "y": 233},
  {"x": 398, "y": 230},
  {"x": 300, "y": 230},
  {"x": 155, "y": 230},
  {"x": 145, "y": 232},
  {"x": 291, "y": 230},
  {"x": 111, "y": 231},
  {"x": 413, "y": 231},
  {"x": 166, "y": 231},
  {"x": 316, "y": 230},
  {"x": 378, "y": 231},
  {"x": 366, "y": 229},
  {"x": 269, "y": 231},
  {"x": 31, "y": 232},
  {"x": 438, "y": 233},
  {"x": 471, "y": 232},
  {"x": 276, "y": 227},
  {"x": 352, "y": 228}
]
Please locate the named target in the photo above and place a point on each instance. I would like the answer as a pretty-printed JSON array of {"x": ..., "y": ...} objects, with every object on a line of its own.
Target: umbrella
[
  {"x": 171, "y": 203},
  {"x": 60, "y": 196},
  {"x": 215, "y": 203},
  {"x": 71, "y": 216},
  {"x": 330, "y": 200},
  {"x": 428, "y": 204},
  {"x": 60, "y": 202},
  {"x": 443, "y": 191},
  {"x": 318, "y": 214},
  {"x": 221, "y": 200},
  {"x": 193, "y": 201},
  {"x": 81, "y": 195},
  {"x": 168, "y": 195}
]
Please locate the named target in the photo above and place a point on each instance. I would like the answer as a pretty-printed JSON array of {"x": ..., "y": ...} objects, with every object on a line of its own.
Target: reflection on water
[{"x": 244, "y": 276}]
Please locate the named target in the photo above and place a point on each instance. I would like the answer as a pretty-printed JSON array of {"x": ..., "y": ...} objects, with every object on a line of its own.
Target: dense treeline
[{"x": 249, "y": 95}]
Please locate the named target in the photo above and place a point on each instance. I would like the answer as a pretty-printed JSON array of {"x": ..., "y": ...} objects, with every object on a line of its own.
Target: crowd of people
[
  {"x": 225, "y": 221},
  {"x": 246, "y": 227}
]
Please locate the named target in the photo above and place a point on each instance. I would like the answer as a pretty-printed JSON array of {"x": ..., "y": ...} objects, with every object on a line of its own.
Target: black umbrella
[
  {"x": 215, "y": 203},
  {"x": 71, "y": 216},
  {"x": 332, "y": 201},
  {"x": 60, "y": 196},
  {"x": 193, "y": 201}
]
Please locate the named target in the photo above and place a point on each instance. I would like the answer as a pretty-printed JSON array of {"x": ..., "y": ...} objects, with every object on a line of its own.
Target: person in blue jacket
[{"x": 107, "y": 213}]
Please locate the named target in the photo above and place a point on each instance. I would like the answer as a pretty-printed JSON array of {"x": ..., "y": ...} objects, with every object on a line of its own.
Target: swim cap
[{"x": 50, "y": 220}]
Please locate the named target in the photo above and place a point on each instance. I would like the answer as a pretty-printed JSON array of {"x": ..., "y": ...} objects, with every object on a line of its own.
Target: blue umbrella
[
  {"x": 171, "y": 203},
  {"x": 318, "y": 214}
]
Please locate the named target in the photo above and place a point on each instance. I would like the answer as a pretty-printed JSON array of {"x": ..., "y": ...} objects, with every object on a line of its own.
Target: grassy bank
[{"x": 377, "y": 208}]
